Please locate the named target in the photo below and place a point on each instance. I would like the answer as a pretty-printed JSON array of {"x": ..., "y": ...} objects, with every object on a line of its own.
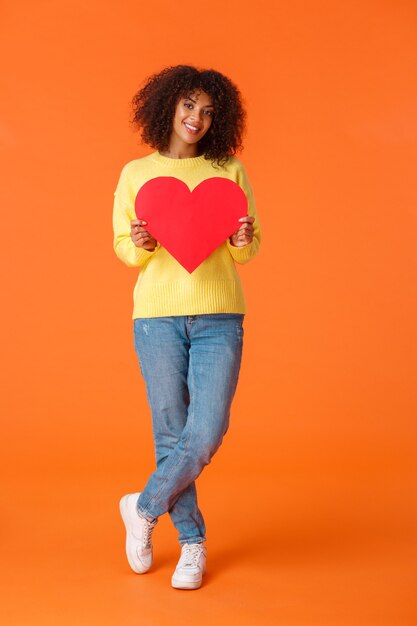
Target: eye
[
  {"x": 188, "y": 105},
  {"x": 209, "y": 113}
]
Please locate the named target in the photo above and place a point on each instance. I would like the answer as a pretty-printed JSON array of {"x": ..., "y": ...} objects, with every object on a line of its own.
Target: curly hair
[{"x": 154, "y": 107}]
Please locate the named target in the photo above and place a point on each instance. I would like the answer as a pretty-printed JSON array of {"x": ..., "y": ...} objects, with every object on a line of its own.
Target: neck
[
  {"x": 179, "y": 154},
  {"x": 180, "y": 150}
]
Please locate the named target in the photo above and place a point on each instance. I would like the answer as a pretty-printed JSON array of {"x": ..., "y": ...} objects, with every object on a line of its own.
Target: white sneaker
[
  {"x": 138, "y": 534},
  {"x": 191, "y": 567}
]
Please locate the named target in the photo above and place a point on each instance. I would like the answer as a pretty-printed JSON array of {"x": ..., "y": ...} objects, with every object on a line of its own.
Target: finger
[
  {"x": 140, "y": 239},
  {"x": 150, "y": 244},
  {"x": 141, "y": 229},
  {"x": 249, "y": 219},
  {"x": 245, "y": 230},
  {"x": 138, "y": 230},
  {"x": 137, "y": 222}
]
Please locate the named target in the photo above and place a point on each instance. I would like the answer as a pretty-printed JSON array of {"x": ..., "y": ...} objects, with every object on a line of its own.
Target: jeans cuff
[
  {"x": 193, "y": 540},
  {"x": 143, "y": 513}
]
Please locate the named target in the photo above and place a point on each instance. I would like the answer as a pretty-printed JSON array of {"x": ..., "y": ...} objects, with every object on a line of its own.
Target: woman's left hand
[{"x": 244, "y": 234}]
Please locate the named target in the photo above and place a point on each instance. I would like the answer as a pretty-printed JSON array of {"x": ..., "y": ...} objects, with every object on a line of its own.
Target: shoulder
[
  {"x": 236, "y": 167},
  {"x": 234, "y": 164},
  {"x": 235, "y": 170},
  {"x": 136, "y": 165},
  {"x": 135, "y": 173}
]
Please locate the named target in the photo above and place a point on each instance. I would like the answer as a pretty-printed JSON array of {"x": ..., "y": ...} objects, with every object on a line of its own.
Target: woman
[{"x": 187, "y": 326}]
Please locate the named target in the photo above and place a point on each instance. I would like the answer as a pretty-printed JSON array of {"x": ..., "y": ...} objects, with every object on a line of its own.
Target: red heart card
[{"x": 191, "y": 224}]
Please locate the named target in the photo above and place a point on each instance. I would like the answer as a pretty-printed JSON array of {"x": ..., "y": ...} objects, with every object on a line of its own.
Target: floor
[{"x": 305, "y": 551}]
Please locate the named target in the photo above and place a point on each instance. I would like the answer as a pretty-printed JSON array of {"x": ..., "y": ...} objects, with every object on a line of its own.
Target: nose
[{"x": 196, "y": 114}]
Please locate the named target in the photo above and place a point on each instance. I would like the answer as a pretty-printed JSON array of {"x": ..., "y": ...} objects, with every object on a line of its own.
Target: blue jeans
[{"x": 190, "y": 365}]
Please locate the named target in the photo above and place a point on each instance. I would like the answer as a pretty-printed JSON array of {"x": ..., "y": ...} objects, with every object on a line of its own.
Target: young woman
[{"x": 187, "y": 326}]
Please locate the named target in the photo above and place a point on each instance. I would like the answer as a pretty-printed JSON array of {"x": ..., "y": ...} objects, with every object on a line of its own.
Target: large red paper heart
[{"x": 191, "y": 224}]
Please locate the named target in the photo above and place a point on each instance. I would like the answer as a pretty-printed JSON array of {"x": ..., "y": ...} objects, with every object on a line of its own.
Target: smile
[{"x": 191, "y": 129}]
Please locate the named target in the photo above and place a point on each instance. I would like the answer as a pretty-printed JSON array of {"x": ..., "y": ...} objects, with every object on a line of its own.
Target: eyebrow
[{"x": 195, "y": 102}]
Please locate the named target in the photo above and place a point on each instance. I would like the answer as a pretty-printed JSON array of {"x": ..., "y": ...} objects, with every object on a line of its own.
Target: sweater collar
[{"x": 178, "y": 163}]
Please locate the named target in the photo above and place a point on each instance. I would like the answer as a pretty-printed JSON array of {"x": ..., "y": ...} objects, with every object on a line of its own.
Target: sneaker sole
[
  {"x": 181, "y": 584},
  {"x": 177, "y": 583},
  {"x": 125, "y": 518}
]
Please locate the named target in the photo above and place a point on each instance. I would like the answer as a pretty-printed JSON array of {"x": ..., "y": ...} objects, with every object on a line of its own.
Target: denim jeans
[{"x": 190, "y": 365}]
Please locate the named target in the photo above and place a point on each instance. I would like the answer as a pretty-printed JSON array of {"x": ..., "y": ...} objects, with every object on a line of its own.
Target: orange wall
[
  {"x": 329, "y": 377},
  {"x": 323, "y": 430}
]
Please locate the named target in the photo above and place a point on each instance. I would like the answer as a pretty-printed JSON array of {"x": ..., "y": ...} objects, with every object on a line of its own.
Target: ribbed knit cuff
[
  {"x": 241, "y": 254},
  {"x": 143, "y": 256}
]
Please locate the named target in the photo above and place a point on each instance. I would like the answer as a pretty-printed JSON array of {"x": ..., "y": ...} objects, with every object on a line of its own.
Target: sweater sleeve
[
  {"x": 243, "y": 254},
  {"x": 123, "y": 213}
]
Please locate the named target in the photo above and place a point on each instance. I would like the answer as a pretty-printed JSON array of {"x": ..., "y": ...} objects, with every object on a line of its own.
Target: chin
[{"x": 191, "y": 140}]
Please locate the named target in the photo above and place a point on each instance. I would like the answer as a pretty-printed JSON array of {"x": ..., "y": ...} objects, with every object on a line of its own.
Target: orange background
[{"x": 310, "y": 503}]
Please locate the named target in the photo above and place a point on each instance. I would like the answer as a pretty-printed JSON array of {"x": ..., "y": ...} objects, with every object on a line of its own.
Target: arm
[
  {"x": 123, "y": 214},
  {"x": 244, "y": 253}
]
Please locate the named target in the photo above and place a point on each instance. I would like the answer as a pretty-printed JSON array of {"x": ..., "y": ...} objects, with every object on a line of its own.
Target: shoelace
[
  {"x": 191, "y": 554},
  {"x": 147, "y": 534}
]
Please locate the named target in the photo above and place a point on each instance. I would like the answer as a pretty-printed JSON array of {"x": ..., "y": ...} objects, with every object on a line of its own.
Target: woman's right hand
[{"x": 140, "y": 236}]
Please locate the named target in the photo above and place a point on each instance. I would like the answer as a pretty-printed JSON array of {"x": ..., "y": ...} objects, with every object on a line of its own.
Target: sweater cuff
[
  {"x": 241, "y": 254},
  {"x": 143, "y": 255}
]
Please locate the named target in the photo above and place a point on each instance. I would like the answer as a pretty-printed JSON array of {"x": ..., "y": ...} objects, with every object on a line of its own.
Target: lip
[{"x": 190, "y": 128}]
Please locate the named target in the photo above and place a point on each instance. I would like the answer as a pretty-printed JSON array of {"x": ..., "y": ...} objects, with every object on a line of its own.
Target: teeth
[{"x": 192, "y": 127}]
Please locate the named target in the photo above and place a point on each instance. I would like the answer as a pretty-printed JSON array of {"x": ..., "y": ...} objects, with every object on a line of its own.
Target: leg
[
  {"x": 215, "y": 353},
  {"x": 163, "y": 350}
]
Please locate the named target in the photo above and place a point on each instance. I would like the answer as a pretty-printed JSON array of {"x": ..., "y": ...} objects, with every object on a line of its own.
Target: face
[{"x": 192, "y": 119}]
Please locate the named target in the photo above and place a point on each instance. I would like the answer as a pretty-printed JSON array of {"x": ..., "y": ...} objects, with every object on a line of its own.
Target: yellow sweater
[{"x": 164, "y": 287}]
